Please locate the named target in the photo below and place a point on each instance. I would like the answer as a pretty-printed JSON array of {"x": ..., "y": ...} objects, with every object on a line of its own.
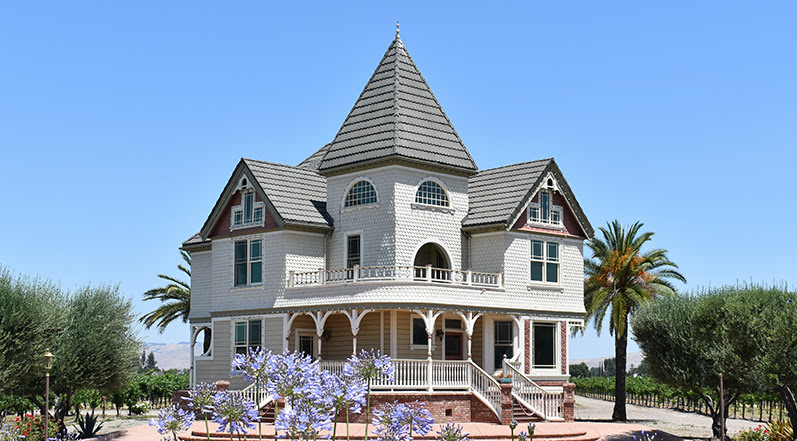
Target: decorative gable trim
[
  {"x": 233, "y": 185},
  {"x": 560, "y": 184}
]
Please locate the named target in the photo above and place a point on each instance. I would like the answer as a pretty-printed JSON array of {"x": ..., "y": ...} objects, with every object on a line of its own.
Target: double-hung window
[
  {"x": 419, "y": 335},
  {"x": 353, "y": 250},
  {"x": 249, "y": 212},
  {"x": 247, "y": 335},
  {"x": 544, "y": 211},
  {"x": 544, "y": 261},
  {"x": 248, "y": 262},
  {"x": 502, "y": 342},
  {"x": 543, "y": 351}
]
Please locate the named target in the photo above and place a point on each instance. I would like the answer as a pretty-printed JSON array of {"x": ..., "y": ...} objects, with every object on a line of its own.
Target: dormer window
[
  {"x": 361, "y": 193},
  {"x": 431, "y": 193},
  {"x": 544, "y": 211},
  {"x": 249, "y": 213}
]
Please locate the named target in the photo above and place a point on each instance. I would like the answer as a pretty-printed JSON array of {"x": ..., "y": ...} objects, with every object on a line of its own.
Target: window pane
[
  {"x": 534, "y": 213},
  {"x": 254, "y": 332},
  {"x": 544, "y": 347},
  {"x": 360, "y": 193},
  {"x": 556, "y": 217},
  {"x": 240, "y": 333},
  {"x": 500, "y": 351},
  {"x": 419, "y": 336},
  {"x": 536, "y": 271},
  {"x": 248, "y": 202},
  {"x": 352, "y": 251},
  {"x": 553, "y": 252},
  {"x": 503, "y": 332},
  {"x": 453, "y": 324},
  {"x": 258, "y": 214},
  {"x": 240, "y": 251},
  {"x": 238, "y": 217},
  {"x": 545, "y": 204},
  {"x": 431, "y": 193},
  {"x": 255, "y": 250},
  {"x": 552, "y": 272},
  {"x": 257, "y": 272},
  {"x": 536, "y": 249},
  {"x": 240, "y": 274}
]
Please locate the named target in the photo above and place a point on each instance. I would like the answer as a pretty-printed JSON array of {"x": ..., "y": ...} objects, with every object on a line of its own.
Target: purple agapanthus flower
[
  {"x": 415, "y": 417},
  {"x": 200, "y": 398},
  {"x": 293, "y": 375},
  {"x": 254, "y": 365},
  {"x": 336, "y": 392},
  {"x": 305, "y": 419},
  {"x": 452, "y": 432},
  {"x": 172, "y": 420},
  {"x": 233, "y": 410},
  {"x": 369, "y": 366}
]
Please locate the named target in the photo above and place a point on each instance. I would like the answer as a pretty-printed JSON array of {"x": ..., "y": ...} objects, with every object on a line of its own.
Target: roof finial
[{"x": 398, "y": 37}]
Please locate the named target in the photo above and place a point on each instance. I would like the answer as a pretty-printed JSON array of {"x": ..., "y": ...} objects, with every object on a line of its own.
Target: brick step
[{"x": 523, "y": 415}]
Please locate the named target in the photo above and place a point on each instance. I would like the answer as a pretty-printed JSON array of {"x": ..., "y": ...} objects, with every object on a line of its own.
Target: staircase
[{"x": 522, "y": 414}]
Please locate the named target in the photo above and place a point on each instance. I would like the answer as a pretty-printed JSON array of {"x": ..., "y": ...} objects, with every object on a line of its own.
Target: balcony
[{"x": 395, "y": 273}]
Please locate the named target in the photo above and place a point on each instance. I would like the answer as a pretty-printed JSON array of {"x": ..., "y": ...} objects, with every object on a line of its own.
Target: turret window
[
  {"x": 361, "y": 193},
  {"x": 431, "y": 193}
]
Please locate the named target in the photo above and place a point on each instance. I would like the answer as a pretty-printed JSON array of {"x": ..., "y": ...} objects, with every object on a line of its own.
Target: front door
[{"x": 453, "y": 345}]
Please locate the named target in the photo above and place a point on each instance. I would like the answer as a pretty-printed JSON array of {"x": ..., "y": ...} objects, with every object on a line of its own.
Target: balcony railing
[{"x": 395, "y": 273}]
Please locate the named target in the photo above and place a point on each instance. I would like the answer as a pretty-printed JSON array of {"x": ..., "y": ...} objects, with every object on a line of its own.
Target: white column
[
  {"x": 470, "y": 326},
  {"x": 354, "y": 344},
  {"x": 192, "y": 376},
  {"x": 393, "y": 336}
]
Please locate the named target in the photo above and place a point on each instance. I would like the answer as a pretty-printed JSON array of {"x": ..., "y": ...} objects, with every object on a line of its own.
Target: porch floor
[{"x": 579, "y": 431}]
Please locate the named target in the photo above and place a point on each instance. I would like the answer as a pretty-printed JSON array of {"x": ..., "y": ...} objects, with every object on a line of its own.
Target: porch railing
[
  {"x": 250, "y": 392},
  {"x": 548, "y": 405},
  {"x": 402, "y": 273},
  {"x": 437, "y": 375}
]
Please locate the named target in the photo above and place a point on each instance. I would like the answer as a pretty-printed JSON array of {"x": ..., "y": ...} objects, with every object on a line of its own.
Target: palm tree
[
  {"x": 176, "y": 299},
  {"x": 619, "y": 279}
]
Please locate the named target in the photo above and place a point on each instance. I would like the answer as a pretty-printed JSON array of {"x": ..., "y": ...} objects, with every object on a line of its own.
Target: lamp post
[{"x": 48, "y": 364}]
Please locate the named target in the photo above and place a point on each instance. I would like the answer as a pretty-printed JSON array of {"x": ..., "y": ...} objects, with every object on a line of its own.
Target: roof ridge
[
  {"x": 514, "y": 165},
  {"x": 292, "y": 167}
]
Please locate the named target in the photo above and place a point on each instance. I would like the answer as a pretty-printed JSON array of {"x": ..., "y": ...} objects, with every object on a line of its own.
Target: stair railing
[{"x": 548, "y": 405}]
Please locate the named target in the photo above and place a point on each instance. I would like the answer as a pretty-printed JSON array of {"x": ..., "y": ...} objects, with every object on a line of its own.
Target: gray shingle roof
[
  {"x": 495, "y": 195},
  {"x": 299, "y": 195},
  {"x": 313, "y": 161},
  {"x": 397, "y": 115}
]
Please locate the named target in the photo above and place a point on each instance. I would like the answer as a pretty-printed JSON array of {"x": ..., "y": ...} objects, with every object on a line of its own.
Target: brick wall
[
  {"x": 563, "y": 346},
  {"x": 445, "y": 407}
]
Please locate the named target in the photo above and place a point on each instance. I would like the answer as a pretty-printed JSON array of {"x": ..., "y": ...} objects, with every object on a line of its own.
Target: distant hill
[
  {"x": 634, "y": 358},
  {"x": 171, "y": 355}
]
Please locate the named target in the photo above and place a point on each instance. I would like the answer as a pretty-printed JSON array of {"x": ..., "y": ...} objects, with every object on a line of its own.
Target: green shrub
[{"x": 32, "y": 427}]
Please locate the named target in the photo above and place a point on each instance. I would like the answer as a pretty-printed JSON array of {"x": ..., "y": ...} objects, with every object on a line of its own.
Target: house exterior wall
[
  {"x": 570, "y": 225},
  {"x": 201, "y": 285},
  {"x": 392, "y": 230},
  {"x": 217, "y": 367}
]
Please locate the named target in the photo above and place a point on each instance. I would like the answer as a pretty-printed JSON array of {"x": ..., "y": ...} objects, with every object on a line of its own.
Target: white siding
[{"x": 201, "y": 284}]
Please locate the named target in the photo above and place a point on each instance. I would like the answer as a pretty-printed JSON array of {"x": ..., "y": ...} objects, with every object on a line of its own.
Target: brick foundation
[
  {"x": 569, "y": 402},
  {"x": 445, "y": 407}
]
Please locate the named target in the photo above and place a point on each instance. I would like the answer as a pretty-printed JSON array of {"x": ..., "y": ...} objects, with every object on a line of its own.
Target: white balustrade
[
  {"x": 546, "y": 404},
  {"x": 401, "y": 273},
  {"x": 250, "y": 392}
]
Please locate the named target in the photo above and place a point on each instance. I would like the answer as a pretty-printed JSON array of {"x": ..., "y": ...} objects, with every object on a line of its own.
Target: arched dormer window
[
  {"x": 431, "y": 193},
  {"x": 361, "y": 193}
]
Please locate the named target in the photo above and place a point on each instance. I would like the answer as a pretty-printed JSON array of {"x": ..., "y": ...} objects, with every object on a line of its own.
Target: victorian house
[{"x": 390, "y": 237}]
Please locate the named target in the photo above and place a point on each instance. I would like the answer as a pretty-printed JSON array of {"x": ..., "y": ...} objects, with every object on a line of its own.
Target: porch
[{"x": 500, "y": 399}]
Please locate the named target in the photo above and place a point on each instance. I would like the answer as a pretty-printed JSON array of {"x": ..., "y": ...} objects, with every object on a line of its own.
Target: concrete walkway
[{"x": 578, "y": 431}]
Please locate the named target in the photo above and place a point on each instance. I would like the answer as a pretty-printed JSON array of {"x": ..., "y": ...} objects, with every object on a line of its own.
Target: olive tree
[{"x": 687, "y": 346}]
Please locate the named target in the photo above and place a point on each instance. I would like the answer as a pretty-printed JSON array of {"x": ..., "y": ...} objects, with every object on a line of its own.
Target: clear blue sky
[{"x": 120, "y": 122}]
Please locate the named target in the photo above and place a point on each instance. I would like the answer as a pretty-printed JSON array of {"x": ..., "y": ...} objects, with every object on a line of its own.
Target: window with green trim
[
  {"x": 248, "y": 334},
  {"x": 544, "y": 261},
  {"x": 248, "y": 262}
]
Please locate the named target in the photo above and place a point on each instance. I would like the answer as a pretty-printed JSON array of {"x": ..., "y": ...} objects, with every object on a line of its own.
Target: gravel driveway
[{"x": 682, "y": 424}]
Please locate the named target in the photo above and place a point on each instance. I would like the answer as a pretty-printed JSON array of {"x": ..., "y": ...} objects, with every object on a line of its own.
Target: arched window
[
  {"x": 361, "y": 193},
  {"x": 431, "y": 193}
]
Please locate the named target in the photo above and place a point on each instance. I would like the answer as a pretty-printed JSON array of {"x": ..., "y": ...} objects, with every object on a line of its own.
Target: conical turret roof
[{"x": 397, "y": 117}]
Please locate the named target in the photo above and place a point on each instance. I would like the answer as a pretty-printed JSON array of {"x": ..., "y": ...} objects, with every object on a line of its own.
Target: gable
[
  {"x": 499, "y": 197},
  {"x": 222, "y": 227},
  {"x": 570, "y": 226}
]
